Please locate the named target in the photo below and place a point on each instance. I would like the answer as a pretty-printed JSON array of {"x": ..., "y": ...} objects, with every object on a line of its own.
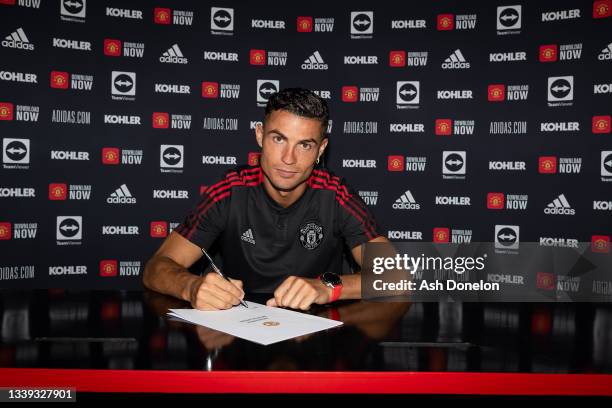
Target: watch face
[{"x": 331, "y": 279}]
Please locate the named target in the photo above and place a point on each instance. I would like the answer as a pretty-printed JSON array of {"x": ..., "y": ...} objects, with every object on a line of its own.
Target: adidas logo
[
  {"x": 606, "y": 53},
  {"x": 121, "y": 196},
  {"x": 247, "y": 236},
  {"x": 17, "y": 39},
  {"x": 315, "y": 61},
  {"x": 406, "y": 202},
  {"x": 173, "y": 56},
  {"x": 174, "y": 51},
  {"x": 559, "y": 206},
  {"x": 455, "y": 61}
]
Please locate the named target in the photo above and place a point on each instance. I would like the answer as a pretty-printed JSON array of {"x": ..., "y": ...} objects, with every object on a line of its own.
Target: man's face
[{"x": 290, "y": 147}]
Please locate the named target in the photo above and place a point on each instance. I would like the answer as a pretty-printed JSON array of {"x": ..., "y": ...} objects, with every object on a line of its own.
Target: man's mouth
[{"x": 286, "y": 173}]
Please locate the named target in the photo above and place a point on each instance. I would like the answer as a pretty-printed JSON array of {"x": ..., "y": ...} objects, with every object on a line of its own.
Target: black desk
[{"x": 120, "y": 341}]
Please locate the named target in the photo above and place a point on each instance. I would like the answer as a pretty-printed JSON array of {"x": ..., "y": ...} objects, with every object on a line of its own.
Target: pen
[{"x": 220, "y": 273}]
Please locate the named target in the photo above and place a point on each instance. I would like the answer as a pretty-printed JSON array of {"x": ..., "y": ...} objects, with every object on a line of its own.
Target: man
[{"x": 281, "y": 225}]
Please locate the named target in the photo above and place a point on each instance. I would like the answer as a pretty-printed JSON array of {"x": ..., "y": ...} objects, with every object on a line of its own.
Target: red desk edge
[{"x": 299, "y": 382}]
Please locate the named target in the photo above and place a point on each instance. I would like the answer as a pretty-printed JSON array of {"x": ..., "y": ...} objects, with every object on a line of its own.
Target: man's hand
[
  {"x": 212, "y": 292},
  {"x": 300, "y": 293}
]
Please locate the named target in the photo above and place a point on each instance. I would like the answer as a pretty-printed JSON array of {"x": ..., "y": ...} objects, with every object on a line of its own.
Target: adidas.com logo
[
  {"x": 606, "y": 53},
  {"x": 173, "y": 56},
  {"x": 559, "y": 206},
  {"x": 247, "y": 236},
  {"x": 406, "y": 202},
  {"x": 315, "y": 61},
  {"x": 121, "y": 196},
  {"x": 17, "y": 39},
  {"x": 455, "y": 61}
]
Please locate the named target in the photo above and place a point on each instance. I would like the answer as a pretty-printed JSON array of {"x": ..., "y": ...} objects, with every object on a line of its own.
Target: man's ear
[
  {"x": 322, "y": 146},
  {"x": 259, "y": 134}
]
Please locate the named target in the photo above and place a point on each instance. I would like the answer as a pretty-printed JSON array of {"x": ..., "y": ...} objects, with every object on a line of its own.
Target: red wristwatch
[{"x": 333, "y": 281}]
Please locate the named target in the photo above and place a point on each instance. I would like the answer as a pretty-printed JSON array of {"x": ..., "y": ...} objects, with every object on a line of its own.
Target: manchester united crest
[{"x": 311, "y": 235}]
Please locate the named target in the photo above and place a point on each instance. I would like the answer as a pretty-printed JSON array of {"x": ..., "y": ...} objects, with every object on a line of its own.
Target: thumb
[{"x": 271, "y": 303}]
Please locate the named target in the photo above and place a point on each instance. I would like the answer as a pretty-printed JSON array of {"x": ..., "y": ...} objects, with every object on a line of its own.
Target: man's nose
[{"x": 288, "y": 156}]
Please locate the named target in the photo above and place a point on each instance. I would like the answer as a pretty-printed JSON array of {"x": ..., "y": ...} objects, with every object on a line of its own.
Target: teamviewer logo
[
  {"x": 123, "y": 83},
  {"x": 507, "y": 236},
  {"x": 69, "y": 228},
  {"x": 606, "y": 163},
  {"x": 15, "y": 151},
  {"x": 560, "y": 88},
  {"x": 453, "y": 162},
  {"x": 73, "y": 8},
  {"x": 222, "y": 19},
  {"x": 362, "y": 23},
  {"x": 407, "y": 92},
  {"x": 508, "y": 18},
  {"x": 265, "y": 89},
  {"x": 171, "y": 156}
]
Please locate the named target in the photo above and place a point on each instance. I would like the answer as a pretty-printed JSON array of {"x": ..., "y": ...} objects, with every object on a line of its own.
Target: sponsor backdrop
[{"x": 454, "y": 121}]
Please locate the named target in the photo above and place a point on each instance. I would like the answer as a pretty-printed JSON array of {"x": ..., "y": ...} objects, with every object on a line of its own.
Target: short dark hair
[{"x": 301, "y": 102}]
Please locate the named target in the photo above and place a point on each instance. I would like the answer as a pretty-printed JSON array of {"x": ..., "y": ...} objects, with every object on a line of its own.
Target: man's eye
[
  {"x": 306, "y": 146},
  {"x": 277, "y": 139}
]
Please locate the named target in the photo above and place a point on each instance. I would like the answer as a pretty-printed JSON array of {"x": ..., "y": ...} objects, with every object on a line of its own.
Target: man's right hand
[{"x": 213, "y": 292}]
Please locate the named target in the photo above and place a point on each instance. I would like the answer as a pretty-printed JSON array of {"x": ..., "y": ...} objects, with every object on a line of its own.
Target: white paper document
[{"x": 258, "y": 323}]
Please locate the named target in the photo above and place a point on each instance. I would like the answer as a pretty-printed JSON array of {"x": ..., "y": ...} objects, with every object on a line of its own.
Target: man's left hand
[{"x": 300, "y": 293}]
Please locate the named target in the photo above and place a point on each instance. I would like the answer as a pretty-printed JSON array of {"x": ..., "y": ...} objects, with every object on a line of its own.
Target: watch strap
[{"x": 336, "y": 291}]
